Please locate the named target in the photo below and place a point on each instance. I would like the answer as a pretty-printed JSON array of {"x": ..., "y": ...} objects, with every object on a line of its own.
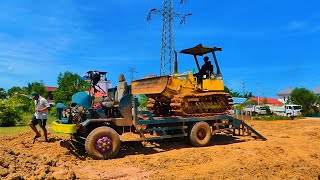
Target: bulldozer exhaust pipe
[{"x": 175, "y": 63}]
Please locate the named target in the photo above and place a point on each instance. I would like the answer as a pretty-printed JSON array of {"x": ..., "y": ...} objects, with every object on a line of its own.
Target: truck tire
[
  {"x": 102, "y": 143},
  {"x": 200, "y": 134}
]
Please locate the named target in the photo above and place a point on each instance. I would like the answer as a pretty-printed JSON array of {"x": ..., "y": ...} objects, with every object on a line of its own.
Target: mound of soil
[{"x": 291, "y": 152}]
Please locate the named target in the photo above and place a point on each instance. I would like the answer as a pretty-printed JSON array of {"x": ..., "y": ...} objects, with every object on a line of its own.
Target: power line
[
  {"x": 258, "y": 86},
  {"x": 132, "y": 72},
  {"x": 243, "y": 87}
]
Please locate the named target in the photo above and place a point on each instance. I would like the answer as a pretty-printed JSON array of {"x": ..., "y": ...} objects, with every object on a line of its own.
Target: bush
[
  {"x": 9, "y": 116},
  {"x": 53, "y": 111},
  {"x": 274, "y": 117}
]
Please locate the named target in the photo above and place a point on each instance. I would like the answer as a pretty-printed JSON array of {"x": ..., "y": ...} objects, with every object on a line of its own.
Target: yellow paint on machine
[
  {"x": 64, "y": 128},
  {"x": 212, "y": 85},
  {"x": 168, "y": 86}
]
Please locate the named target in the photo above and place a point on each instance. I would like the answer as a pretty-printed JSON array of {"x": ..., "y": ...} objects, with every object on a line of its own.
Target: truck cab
[
  {"x": 255, "y": 110},
  {"x": 292, "y": 110}
]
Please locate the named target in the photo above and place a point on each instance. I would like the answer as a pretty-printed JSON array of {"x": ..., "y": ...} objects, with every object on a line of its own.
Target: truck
[
  {"x": 290, "y": 110},
  {"x": 102, "y": 136},
  {"x": 255, "y": 110},
  {"x": 180, "y": 107}
]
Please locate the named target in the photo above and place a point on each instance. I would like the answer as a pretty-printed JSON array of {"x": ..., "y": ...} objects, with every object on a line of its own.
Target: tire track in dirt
[{"x": 291, "y": 152}]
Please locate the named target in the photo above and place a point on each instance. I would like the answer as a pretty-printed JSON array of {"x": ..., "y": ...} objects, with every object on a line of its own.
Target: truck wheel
[
  {"x": 102, "y": 143},
  {"x": 200, "y": 134}
]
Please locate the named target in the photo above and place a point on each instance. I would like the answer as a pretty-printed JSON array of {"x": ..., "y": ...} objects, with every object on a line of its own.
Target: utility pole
[
  {"x": 167, "y": 44},
  {"x": 243, "y": 88},
  {"x": 132, "y": 72},
  {"x": 258, "y": 92}
]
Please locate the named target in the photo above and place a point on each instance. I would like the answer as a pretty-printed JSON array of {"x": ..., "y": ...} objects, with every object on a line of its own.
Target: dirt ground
[{"x": 292, "y": 151}]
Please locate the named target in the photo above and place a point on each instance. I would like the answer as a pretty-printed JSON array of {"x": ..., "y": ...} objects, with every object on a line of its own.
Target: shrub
[
  {"x": 274, "y": 117},
  {"x": 9, "y": 116},
  {"x": 53, "y": 111}
]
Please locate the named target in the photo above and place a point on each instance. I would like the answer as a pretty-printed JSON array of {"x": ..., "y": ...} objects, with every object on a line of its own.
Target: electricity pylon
[{"x": 167, "y": 45}]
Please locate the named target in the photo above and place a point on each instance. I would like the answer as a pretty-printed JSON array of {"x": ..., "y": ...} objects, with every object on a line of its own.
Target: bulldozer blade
[{"x": 153, "y": 85}]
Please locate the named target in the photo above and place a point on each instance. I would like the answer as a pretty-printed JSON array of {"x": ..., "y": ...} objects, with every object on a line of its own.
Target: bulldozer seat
[{"x": 122, "y": 88}]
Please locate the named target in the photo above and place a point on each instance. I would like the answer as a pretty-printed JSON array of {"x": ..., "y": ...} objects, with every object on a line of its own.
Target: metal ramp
[{"x": 242, "y": 128}]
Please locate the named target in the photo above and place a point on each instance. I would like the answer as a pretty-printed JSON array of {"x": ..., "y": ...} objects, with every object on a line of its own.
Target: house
[
  {"x": 99, "y": 80},
  {"x": 50, "y": 90},
  {"x": 284, "y": 95},
  {"x": 267, "y": 101},
  {"x": 316, "y": 91},
  {"x": 237, "y": 101}
]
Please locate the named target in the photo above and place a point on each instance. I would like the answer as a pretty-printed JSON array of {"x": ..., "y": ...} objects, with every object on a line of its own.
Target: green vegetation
[
  {"x": 15, "y": 102},
  {"x": 9, "y": 116},
  {"x": 270, "y": 117},
  {"x": 23, "y": 127},
  {"x": 3, "y": 93},
  {"x": 274, "y": 117},
  {"x": 143, "y": 101},
  {"x": 304, "y": 97},
  {"x": 68, "y": 84},
  {"x": 237, "y": 94},
  {"x": 241, "y": 106},
  {"x": 14, "y": 130}
]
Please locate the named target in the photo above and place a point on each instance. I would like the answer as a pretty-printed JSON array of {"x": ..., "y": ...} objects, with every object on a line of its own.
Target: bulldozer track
[{"x": 201, "y": 104}]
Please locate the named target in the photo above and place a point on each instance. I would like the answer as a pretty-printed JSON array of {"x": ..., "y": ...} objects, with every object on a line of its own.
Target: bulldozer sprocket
[
  {"x": 201, "y": 104},
  {"x": 158, "y": 108}
]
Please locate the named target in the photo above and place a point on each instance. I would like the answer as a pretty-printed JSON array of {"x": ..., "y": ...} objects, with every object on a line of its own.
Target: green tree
[
  {"x": 237, "y": 94},
  {"x": 3, "y": 94},
  {"x": 9, "y": 116},
  {"x": 304, "y": 97},
  {"x": 248, "y": 95},
  {"x": 241, "y": 106},
  {"x": 15, "y": 89},
  {"x": 35, "y": 86},
  {"x": 21, "y": 102},
  {"x": 143, "y": 101},
  {"x": 68, "y": 84},
  {"x": 21, "y": 94},
  {"x": 231, "y": 92}
]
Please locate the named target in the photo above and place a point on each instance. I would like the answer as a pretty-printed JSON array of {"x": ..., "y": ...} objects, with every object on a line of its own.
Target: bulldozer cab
[
  {"x": 200, "y": 50},
  {"x": 207, "y": 79}
]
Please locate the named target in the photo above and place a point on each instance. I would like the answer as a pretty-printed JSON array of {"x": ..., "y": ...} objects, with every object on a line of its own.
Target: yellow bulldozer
[{"x": 188, "y": 94}]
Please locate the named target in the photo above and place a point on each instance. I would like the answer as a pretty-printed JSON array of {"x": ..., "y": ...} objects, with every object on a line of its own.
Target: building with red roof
[
  {"x": 270, "y": 101},
  {"x": 50, "y": 90}
]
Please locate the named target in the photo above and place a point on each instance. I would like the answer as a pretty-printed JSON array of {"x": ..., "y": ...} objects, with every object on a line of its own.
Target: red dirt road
[{"x": 292, "y": 151}]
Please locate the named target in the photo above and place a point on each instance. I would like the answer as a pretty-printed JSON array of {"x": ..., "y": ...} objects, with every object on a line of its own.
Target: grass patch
[
  {"x": 27, "y": 117},
  {"x": 24, "y": 127},
  {"x": 273, "y": 117},
  {"x": 14, "y": 130}
]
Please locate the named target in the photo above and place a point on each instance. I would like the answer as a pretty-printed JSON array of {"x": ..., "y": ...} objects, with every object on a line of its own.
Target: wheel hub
[
  {"x": 104, "y": 145},
  {"x": 201, "y": 134}
]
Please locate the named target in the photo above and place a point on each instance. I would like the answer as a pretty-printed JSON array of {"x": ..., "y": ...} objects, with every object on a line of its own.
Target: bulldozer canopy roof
[
  {"x": 100, "y": 72},
  {"x": 200, "y": 50}
]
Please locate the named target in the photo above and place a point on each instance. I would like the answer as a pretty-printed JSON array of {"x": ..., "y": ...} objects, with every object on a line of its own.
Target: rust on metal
[
  {"x": 153, "y": 85},
  {"x": 194, "y": 105}
]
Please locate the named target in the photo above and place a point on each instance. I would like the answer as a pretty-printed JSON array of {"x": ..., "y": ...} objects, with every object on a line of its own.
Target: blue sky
[{"x": 273, "y": 43}]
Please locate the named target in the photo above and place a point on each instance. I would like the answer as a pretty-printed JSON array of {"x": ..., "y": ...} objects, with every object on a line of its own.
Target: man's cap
[
  {"x": 33, "y": 94},
  {"x": 206, "y": 58}
]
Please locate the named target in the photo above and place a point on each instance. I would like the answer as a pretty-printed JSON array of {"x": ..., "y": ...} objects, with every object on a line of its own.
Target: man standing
[{"x": 40, "y": 115}]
